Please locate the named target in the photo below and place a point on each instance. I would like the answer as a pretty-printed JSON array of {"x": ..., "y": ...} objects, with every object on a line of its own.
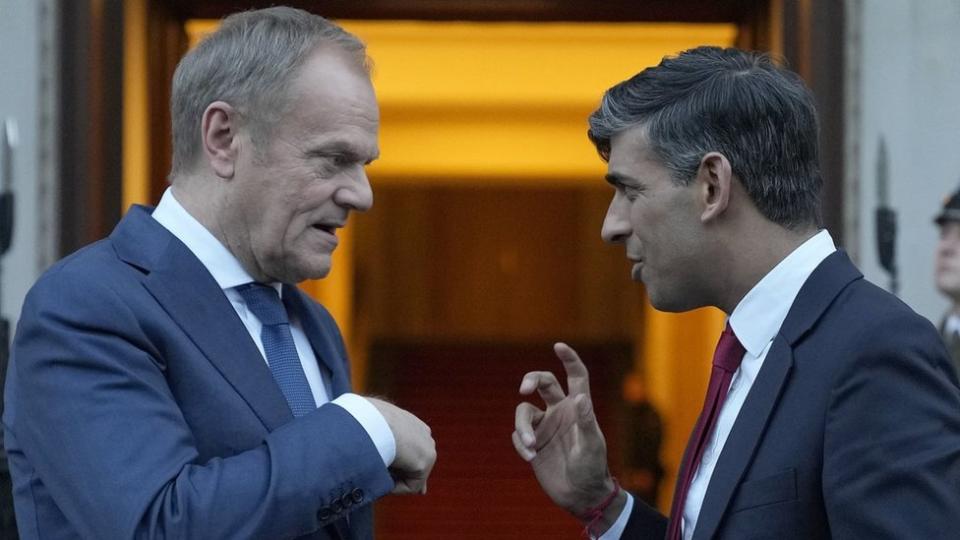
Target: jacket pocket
[{"x": 779, "y": 487}]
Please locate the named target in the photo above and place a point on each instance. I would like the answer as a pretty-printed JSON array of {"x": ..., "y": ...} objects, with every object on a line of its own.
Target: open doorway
[
  {"x": 460, "y": 290},
  {"x": 484, "y": 238}
]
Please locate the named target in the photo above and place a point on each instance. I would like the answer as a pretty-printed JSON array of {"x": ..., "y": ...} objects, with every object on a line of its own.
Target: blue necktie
[{"x": 278, "y": 346}]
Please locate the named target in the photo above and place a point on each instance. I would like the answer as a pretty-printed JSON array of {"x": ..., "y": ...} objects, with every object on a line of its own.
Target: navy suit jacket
[
  {"x": 138, "y": 406},
  {"x": 851, "y": 429}
]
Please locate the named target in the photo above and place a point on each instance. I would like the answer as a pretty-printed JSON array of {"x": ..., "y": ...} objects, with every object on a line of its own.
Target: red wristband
[{"x": 595, "y": 514}]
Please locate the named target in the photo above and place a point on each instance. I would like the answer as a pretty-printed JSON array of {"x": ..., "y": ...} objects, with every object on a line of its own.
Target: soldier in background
[{"x": 948, "y": 272}]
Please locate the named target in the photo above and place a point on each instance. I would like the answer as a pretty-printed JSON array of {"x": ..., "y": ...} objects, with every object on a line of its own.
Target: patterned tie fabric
[
  {"x": 264, "y": 302},
  {"x": 726, "y": 360}
]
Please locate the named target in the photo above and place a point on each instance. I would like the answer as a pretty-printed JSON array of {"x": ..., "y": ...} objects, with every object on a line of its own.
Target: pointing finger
[{"x": 578, "y": 379}]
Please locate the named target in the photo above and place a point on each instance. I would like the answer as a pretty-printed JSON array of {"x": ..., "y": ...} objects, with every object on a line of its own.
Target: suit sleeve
[
  {"x": 90, "y": 407},
  {"x": 645, "y": 523},
  {"x": 892, "y": 440}
]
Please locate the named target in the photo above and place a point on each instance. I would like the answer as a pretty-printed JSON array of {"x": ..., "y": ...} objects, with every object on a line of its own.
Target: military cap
[{"x": 950, "y": 210}]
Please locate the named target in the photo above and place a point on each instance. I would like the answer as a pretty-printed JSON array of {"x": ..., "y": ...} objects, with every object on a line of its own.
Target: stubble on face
[{"x": 664, "y": 220}]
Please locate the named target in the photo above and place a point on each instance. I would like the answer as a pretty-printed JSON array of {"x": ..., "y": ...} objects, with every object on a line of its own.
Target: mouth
[
  {"x": 328, "y": 230},
  {"x": 327, "y": 227}
]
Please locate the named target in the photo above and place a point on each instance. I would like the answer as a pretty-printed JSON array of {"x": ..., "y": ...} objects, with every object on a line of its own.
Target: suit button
[
  {"x": 325, "y": 514},
  {"x": 336, "y": 506},
  {"x": 357, "y": 495},
  {"x": 346, "y": 500}
]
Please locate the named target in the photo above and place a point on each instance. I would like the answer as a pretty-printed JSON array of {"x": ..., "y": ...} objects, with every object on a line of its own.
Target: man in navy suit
[
  {"x": 834, "y": 411},
  {"x": 170, "y": 381}
]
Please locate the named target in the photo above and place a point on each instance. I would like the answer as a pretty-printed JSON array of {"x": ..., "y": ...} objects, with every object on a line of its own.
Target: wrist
[{"x": 598, "y": 519}]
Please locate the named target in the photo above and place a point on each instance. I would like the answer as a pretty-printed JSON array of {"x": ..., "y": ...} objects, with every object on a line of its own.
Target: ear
[
  {"x": 219, "y": 128},
  {"x": 715, "y": 181}
]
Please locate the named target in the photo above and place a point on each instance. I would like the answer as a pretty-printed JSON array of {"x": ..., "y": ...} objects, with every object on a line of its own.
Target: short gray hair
[
  {"x": 760, "y": 116},
  {"x": 249, "y": 63}
]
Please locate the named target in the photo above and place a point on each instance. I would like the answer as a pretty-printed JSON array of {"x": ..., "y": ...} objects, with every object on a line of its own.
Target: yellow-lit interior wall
[
  {"x": 505, "y": 102},
  {"x": 136, "y": 128}
]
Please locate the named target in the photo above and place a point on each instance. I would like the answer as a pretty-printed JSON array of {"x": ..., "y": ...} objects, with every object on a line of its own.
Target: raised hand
[
  {"x": 416, "y": 449},
  {"x": 563, "y": 443}
]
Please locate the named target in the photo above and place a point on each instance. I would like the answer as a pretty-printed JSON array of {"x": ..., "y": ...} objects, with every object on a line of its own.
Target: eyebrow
[
  {"x": 617, "y": 179},
  {"x": 343, "y": 148}
]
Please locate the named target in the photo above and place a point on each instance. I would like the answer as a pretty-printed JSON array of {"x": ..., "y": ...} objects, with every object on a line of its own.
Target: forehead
[
  {"x": 630, "y": 150},
  {"x": 331, "y": 95}
]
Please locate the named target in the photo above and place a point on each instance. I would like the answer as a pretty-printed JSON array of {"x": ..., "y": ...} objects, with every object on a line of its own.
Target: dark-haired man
[
  {"x": 171, "y": 381},
  {"x": 833, "y": 411}
]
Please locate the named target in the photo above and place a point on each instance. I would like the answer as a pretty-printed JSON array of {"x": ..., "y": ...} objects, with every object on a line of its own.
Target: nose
[
  {"x": 946, "y": 249},
  {"x": 945, "y": 246},
  {"x": 616, "y": 225},
  {"x": 357, "y": 194}
]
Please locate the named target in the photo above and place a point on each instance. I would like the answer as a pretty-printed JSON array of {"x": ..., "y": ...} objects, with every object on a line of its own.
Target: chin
[
  {"x": 670, "y": 303},
  {"x": 668, "y": 307},
  {"x": 316, "y": 271},
  {"x": 309, "y": 273},
  {"x": 301, "y": 273},
  {"x": 951, "y": 290},
  {"x": 658, "y": 301}
]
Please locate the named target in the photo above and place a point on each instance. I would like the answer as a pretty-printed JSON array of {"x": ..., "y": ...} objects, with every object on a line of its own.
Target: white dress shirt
[
  {"x": 951, "y": 326},
  {"x": 756, "y": 321},
  {"x": 229, "y": 274}
]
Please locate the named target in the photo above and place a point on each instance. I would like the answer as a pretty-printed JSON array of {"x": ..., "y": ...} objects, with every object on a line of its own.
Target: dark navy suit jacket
[
  {"x": 851, "y": 429},
  {"x": 137, "y": 406}
]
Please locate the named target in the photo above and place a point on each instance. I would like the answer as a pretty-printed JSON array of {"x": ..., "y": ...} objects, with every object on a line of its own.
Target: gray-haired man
[{"x": 170, "y": 381}]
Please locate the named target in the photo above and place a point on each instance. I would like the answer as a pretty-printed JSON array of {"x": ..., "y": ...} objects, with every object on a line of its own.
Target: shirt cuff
[
  {"x": 372, "y": 422},
  {"x": 616, "y": 530}
]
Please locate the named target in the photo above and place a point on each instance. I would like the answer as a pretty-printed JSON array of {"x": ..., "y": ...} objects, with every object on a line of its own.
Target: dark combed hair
[{"x": 760, "y": 116}]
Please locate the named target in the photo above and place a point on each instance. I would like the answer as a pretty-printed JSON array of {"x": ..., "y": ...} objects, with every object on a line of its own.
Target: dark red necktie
[{"x": 726, "y": 360}]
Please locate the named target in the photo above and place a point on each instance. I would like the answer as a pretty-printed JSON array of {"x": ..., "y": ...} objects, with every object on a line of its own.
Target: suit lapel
[
  {"x": 323, "y": 336},
  {"x": 193, "y": 299},
  {"x": 324, "y": 342},
  {"x": 818, "y": 292}
]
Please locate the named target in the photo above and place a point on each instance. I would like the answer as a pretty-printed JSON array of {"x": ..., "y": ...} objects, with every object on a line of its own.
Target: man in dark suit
[
  {"x": 948, "y": 272},
  {"x": 833, "y": 410},
  {"x": 170, "y": 381}
]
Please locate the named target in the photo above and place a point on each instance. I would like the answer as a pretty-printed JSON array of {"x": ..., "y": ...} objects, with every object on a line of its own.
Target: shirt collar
[
  {"x": 952, "y": 325},
  {"x": 759, "y": 316},
  {"x": 222, "y": 265}
]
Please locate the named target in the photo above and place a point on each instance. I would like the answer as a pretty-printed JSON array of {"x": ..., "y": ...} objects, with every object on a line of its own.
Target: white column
[
  {"x": 903, "y": 85},
  {"x": 28, "y": 98}
]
